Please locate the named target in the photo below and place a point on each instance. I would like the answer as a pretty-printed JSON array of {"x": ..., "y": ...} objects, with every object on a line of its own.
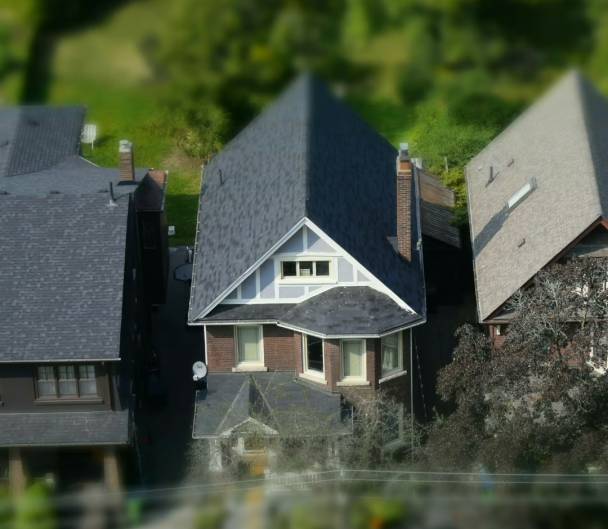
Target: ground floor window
[
  {"x": 249, "y": 344},
  {"x": 66, "y": 381},
  {"x": 353, "y": 359},
  {"x": 313, "y": 354},
  {"x": 392, "y": 353}
]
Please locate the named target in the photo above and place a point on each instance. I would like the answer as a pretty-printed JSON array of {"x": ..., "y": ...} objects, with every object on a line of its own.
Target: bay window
[
  {"x": 353, "y": 359},
  {"x": 392, "y": 353},
  {"x": 249, "y": 344},
  {"x": 313, "y": 354}
]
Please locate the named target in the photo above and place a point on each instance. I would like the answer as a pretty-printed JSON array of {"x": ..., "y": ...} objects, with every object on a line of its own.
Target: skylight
[{"x": 520, "y": 195}]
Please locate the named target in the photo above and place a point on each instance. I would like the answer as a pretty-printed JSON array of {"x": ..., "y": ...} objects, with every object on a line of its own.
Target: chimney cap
[
  {"x": 125, "y": 146},
  {"x": 404, "y": 151}
]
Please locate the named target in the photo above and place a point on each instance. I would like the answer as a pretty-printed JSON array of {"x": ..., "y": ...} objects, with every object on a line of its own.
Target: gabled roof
[
  {"x": 275, "y": 400},
  {"x": 33, "y": 138},
  {"x": 559, "y": 146},
  {"x": 61, "y": 277},
  {"x": 307, "y": 156}
]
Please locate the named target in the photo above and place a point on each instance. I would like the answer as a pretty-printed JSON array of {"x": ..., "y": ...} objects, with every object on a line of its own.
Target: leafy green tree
[{"x": 536, "y": 402}]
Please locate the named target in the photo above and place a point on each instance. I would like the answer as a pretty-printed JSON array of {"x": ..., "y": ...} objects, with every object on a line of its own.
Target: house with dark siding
[
  {"x": 308, "y": 272},
  {"x": 538, "y": 194},
  {"x": 83, "y": 257}
]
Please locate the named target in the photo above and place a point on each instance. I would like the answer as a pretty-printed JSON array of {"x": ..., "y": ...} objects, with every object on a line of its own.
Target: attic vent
[{"x": 520, "y": 195}]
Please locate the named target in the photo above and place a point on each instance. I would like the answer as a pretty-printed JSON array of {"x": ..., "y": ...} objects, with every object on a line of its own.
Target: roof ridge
[{"x": 246, "y": 380}]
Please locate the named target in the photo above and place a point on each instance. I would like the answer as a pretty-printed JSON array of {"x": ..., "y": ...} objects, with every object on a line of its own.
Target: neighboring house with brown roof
[
  {"x": 308, "y": 257},
  {"x": 79, "y": 247},
  {"x": 538, "y": 193}
]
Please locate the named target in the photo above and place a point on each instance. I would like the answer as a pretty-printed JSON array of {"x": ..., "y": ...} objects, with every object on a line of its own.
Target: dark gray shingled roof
[
  {"x": 74, "y": 428},
  {"x": 339, "y": 311},
  {"x": 73, "y": 175},
  {"x": 277, "y": 400},
  {"x": 62, "y": 270},
  {"x": 308, "y": 155},
  {"x": 349, "y": 311},
  {"x": 33, "y": 138},
  {"x": 561, "y": 144}
]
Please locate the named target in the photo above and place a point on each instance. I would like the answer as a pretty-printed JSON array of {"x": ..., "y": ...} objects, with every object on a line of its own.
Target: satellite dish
[{"x": 199, "y": 371}]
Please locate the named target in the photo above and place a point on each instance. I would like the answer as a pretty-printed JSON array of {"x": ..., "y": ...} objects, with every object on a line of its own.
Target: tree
[{"x": 539, "y": 401}]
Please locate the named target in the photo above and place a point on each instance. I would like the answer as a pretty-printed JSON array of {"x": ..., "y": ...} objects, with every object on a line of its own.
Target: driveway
[{"x": 164, "y": 432}]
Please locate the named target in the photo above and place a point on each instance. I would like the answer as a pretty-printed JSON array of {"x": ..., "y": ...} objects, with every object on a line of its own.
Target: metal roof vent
[{"x": 518, "y": 197}]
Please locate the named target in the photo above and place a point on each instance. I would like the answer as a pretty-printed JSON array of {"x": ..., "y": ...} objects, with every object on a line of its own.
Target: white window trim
[
  {"x": 350, "y": 380},
  {"x": 258, "y": 365},
  {"x": 399, "y": 367},
  {"x": 299, "y": 280},
  {"x": 318, "y": 376}
]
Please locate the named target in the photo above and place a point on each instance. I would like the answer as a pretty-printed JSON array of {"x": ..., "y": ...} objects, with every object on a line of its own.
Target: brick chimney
[
  {"x": 126, "y": 167},
  {"x": 405, "y": 170}
]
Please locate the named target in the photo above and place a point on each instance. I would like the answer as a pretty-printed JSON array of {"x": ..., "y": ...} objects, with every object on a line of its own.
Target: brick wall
[
  {"x": 220, "y": 348},
  {"x": 281, "y": 348},
  {"x": 332, "y": 363}
]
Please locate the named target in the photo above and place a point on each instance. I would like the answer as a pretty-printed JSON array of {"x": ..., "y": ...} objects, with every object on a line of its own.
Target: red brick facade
[{"x": 283, "y": 352}]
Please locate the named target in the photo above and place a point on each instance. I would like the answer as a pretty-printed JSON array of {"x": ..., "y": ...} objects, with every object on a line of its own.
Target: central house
[{"x": 308, "y": 261}]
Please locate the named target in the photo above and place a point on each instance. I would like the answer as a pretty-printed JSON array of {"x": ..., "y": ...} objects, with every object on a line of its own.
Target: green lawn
[{"x": 103, "y": 67}]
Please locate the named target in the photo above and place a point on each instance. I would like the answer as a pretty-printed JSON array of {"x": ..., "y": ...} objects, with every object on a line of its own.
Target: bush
[{"x": 35, "y": 508}]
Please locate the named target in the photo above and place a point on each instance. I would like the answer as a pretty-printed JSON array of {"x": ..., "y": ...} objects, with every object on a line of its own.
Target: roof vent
[
  {"x": 521, "y": 243},
  {"x": 520, "y": 195}
]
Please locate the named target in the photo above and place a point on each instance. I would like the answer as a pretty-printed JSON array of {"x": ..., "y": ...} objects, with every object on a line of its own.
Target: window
[
  {"x": 66, "y": 382},
  {"x": 249, "y": 344},
  {"x": 295, "y": 269},
  {"x": 353, "y": 359},
  {"x": 66, "y": 377},
  {"x": 47, "y": 384},
  {"x": 313, "y": 354},
  {"x": 392, "y": 353},
  {"x": 87, "y": 383}
]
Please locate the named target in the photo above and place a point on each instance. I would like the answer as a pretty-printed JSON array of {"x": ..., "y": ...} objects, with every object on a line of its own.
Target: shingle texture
[
  {"x": 307, "y": 155},
  {"x": 64, "y": 429},
  {"x": 344, "y": 311},
  {"x": 560, "y": 146},
  {"x": 33, "y": 138},
  {"x": 276, "y": 400},
  {"x": 339, "y": 311},
  {"x": 62, "y": 270},
  {"x": 437, "y": 210}
]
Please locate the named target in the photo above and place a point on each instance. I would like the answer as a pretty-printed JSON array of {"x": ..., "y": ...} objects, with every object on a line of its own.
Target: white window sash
[
  {"x": 350, "y": 377},
  {"x": 260, "y": 346}
]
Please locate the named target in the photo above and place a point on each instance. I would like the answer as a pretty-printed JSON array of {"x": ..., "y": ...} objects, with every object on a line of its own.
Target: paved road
[{"x": 165, "y": 432}]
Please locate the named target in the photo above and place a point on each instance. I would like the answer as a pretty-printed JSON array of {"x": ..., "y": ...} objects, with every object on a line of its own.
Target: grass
[{"x": 104, "y": 68}]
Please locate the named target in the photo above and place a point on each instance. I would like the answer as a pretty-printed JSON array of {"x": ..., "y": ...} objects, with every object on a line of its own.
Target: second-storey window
[
  {"x": 66, "y": 381},
  {"x": 249, "y": 344}
]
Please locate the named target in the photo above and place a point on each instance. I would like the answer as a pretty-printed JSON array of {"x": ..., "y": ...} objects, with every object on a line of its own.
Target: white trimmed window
[
  {"x": 392, "y": 353},
  {"x": 304, "y": 269},
  {"x": 353, "y": 360},
  {"x": 249, "y": 344},
  {"x": 313, "y": 354}
]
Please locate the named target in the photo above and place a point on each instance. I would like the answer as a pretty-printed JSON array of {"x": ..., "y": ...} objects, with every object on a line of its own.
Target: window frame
[
  {"x": 354, "y": 378},
  {"x": 399, "y": 368},
  {"x": 74, "y": 397},
  {"x": 314, "y": 278},
  {"x": 312, "y": 372},
  {"x": 245, "y": 363}
]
